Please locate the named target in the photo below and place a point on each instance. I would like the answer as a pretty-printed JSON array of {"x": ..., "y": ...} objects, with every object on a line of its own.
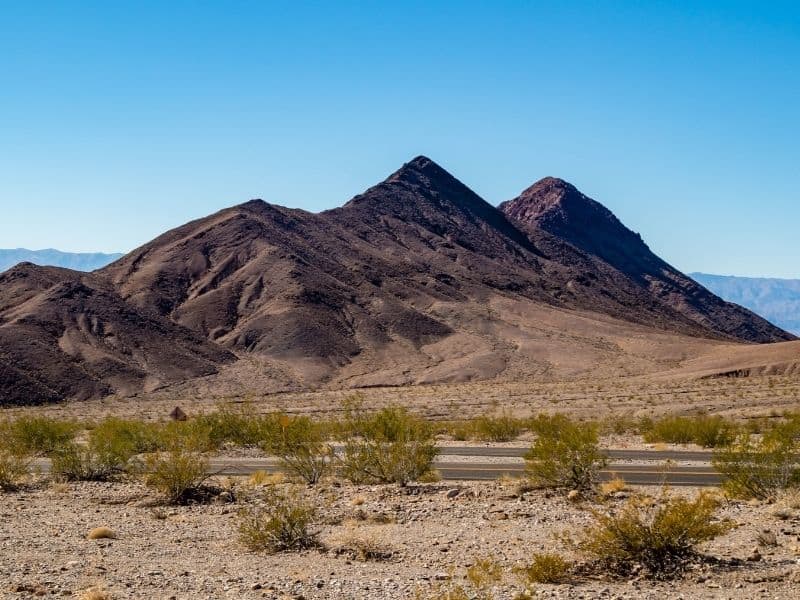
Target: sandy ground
[
  {"x": 747, "y": 397},
  {"x": 194, "y": 552}
]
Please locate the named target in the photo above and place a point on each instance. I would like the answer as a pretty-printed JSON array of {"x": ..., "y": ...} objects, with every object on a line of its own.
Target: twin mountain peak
[{"x": 416, "y": 280}]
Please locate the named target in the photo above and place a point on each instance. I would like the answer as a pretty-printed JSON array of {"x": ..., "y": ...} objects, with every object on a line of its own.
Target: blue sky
[{"x": 119, "y": 120}]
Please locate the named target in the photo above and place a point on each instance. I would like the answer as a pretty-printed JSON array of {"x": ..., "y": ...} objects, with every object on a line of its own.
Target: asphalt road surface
[{"x": 646, "y": 467}]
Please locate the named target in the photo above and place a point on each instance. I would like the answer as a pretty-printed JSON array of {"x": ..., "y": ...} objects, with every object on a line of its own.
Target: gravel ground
[{"x": 193, "y": 552}]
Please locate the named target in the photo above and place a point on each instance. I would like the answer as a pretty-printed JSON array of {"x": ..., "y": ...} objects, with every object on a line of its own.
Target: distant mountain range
[
  {"x": 78, "y": 261},
  {"x": 777, "y": 300},
  {"x": 416, "y": 280}
]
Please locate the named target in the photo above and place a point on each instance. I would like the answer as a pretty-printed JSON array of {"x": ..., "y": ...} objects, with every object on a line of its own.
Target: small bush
[
  {"x": 361, "y": 545},
  {"x": 76, "y": 462},
  {"x": 13, "y": 468},
  {"x": 565, "y": 454},
  {"x": 488, "y": 428},
  {"x": 759, "y": 467},
  {"x": 125, "y": 438},
  {"x": 300, "y": 444},
  {"x": 612, "y": 486},
  {"x": 545, "y": 568},
  {"x": 177, "y": 474},
  {"x": 484, "y": 573},
  {"x": 282, "y": 524},
  {"x": 706, "y": 431},
  {"x": 659, "y": 536},
  {"x": 40, "y": 435},
  {"x": 237, "y": 426},
  {"x": 111, "y": 445},
  {"x": 391, "y": 446}
]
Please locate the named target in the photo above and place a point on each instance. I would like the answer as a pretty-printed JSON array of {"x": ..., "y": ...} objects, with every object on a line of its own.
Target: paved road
[
  {"x": 647, "y": 467},
  {"x": 652, "y": 467},
  {"x": 644, "y": 474},
  {"x": 637, "y": 455}
]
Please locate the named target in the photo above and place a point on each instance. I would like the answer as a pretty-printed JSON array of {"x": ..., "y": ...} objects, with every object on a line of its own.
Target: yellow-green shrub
[
  {"x": 300, "y": 444},
  {"x": 566, "y": 454},
  {"x": 657, "y": 535},
  {"x": 544, "y": 568},
  {"x": 281, "y": 524},
  {"x": 176, "y": 473},
  {"x": 760, "y": 467},
  {"x": 390, "y": 446}
]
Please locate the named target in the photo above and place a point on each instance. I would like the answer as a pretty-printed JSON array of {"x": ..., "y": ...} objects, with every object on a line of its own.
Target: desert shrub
[
  {"x": 484, "y": 573},
  {"x": 126, "y": 437},
  {"x": 759, "y": 467},
  {"x": 390, "y": 446},
  {"x": 300, "y": 444},
  {"x": 177, "y": 474},
  {"x": 40, "y": 435},
  {"x": 502, "y": 428},
  {"x": 361, "y": 545},
  {"x": 14, "y": 467},
  {"x": 77, "y": 462},
  {"x": 235, "y": 426},
  {"x": 660, "y": 536},
  {"x": 478, "y": 583},
  {"x": 565, "y": 454},
  {"x": 111, "y": 445},
  {"x": 459, "y": 430},
  {"x": 192, "y": 435},
  {"x": 544, "y": 568},
  {"x": 704, "y": 430},
  {"x": 282, "y": 524}
]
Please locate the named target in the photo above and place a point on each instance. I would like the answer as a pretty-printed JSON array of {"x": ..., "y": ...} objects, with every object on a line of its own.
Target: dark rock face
[{"x": 387, "y": 274}]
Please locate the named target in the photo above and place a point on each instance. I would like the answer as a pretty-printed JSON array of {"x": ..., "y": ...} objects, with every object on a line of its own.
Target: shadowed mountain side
[{"x": 65, "y": 334}]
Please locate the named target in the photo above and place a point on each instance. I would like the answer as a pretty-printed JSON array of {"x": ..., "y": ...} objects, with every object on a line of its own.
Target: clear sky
[{"x": 119, "y": 120}]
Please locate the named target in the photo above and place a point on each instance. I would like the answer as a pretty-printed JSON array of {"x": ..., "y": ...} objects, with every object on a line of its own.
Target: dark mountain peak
[
  {"x": 423, "y": 174},
  {"x": 554, "y": 204},
  {"x": 256, "y": 204}
]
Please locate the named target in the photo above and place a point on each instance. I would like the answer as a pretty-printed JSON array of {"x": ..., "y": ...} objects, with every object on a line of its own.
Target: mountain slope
[
  {"x": 555, "y": 206},
  {"x": 775, "y": 299},
  {"x": 80, "y": 261},
  {"x": 416, "y": 280},
  {"x": 65, "y": 334}
]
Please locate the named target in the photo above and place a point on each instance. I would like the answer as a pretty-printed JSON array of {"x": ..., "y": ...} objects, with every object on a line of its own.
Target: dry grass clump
[
  {"x": 282, "y": 523},
  {"x": 96, "y": 592},
  {"x": 544, "y": 568},
  {"x": 361, "y": 545},
  {"x": 262, "y": 478},
  {"x": 613, "y": 486},
  {"x": 479, "y": 580},
  {"x": 101, "y": 533},
  {"x": 390, "y": 446},
  {"x": 566, "y": 454},
  {"x": 659, "y": 536}
]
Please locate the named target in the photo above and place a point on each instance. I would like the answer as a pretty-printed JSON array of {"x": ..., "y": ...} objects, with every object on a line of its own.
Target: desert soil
[{"x": 193, "y": 552}]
